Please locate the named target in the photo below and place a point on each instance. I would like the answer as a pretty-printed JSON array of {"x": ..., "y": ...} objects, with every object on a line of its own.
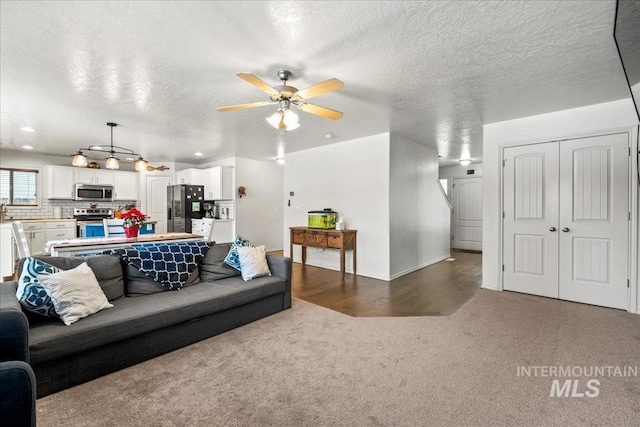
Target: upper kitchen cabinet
[
  {"x": 94, "y": 176},
  {"x": 190, "y": 176},
  {"x": 125, "y": 186},
  {"x": 59, "y": 182},
  {"x": 218, "y": 183}
]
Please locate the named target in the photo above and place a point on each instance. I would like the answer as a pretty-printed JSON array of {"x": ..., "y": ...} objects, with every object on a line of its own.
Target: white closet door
[
  {"x": 467, "y": 213},
  {"x": 594, "y": 220},
  {"x": 531, "y": 219}
]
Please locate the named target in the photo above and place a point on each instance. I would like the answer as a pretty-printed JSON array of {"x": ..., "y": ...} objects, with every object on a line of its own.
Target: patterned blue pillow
[
  {"x": 232, "y": 258},
  {"x": 31, "y": 293}
]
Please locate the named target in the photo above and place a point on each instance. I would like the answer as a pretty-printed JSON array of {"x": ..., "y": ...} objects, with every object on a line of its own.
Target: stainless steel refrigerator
[{"x": 184, "y": 204}]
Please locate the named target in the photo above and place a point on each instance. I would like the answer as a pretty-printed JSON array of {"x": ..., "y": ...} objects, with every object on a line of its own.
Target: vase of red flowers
[{"x": 133, "y": 219}]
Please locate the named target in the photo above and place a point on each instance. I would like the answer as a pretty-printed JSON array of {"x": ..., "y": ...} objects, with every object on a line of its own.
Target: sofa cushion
[
  {"x": 137, "y": 283},
  {"x": 75, "y": 293},
  {"x": 107, "y": 268},
  {"x": 33, "y": 296},
  {"x": 253, "y": 262},
  {"x": 232, "y": 258},
  {"x": 130, "y": 317},
  {"x": 212, "y": 266}
]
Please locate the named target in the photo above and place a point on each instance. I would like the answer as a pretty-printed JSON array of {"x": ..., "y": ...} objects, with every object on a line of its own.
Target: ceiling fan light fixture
[
  {"x": 290, "y": 118},
  {"x": 79, "y": 160},
  {"x": 292, "y": 126},
  {"x": 275, "y": 120}
]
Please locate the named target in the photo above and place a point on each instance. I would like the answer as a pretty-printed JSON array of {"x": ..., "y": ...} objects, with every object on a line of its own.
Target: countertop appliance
[
  {"x": 184, "y": 203},
  {"x": 209, "y": 210},
  {"x": 97, "y": 193},
  {"x": 97, "y": 214},
  {"x": 91, "y": 217}
]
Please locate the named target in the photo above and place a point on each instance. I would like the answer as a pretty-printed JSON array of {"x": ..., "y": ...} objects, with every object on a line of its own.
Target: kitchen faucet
[{"x": 3, "y": 212}]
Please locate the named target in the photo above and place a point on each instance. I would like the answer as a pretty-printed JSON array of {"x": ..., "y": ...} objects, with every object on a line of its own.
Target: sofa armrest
[
  {"x": 17, "y": 394},
  {"x": 8, "y": 300},
  {"x": 280, "y": 266},
  {"x": 14, "y": 336}
]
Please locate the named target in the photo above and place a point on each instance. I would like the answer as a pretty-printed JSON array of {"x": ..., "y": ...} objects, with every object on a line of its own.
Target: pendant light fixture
[{"x": 112, "y": 162}]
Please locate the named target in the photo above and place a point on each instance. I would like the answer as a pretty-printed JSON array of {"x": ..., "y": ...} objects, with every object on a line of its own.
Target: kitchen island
[{"x": 87, "y": 246}]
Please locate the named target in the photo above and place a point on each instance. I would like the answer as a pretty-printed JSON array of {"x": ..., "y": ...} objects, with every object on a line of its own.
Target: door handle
[
  {"x": 552, "y": 229},
  {"x": 566, "y": 229}
]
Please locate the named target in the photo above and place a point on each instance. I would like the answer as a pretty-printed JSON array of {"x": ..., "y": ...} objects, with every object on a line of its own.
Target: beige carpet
[{"x": 310, "y": 366}]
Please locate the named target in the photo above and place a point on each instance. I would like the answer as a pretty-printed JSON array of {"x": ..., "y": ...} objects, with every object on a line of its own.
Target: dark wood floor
[{"x": 437, "y": 290}]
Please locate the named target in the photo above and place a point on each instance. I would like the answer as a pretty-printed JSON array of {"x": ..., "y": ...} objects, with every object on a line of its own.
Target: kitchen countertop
[
  {"x": 59, "y": 247},
  {"x": 99, "y": 221},
  {"x": 41, "y": 219}
]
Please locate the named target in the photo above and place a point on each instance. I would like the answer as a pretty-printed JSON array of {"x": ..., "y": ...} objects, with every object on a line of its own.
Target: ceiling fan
[{"x": 285, "y": 96}]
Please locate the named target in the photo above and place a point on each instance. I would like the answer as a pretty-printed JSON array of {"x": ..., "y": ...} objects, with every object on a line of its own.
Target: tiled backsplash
[
  {"x": 227, "y": 204},
  {"x": 45, "y": 209}
]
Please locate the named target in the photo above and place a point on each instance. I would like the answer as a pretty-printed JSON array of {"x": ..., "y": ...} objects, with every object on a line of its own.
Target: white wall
[
  {"x": 610, "y": 116},
  {"x": 459, "y": 171},
  {"x": 352, "y": 178},
  {"x": 419, "y": 229},
  {"x": 259, "y": 215}
]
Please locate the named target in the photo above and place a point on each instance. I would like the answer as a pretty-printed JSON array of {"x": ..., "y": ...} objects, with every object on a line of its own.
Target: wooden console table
[{"x": 321, "y": 238}]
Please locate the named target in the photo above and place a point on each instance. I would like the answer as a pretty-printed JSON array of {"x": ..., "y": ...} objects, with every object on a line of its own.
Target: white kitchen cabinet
[
  {"x": 60, "y": 230},
  {"x": 125, "y": 186},
  {"x": 34, "y": 232},
  {"x": 94, "y": 176},
  {"x": 59, "y": 182},
  {"x": 224, "y": 231},
  {"x": 190, "y": 176},
  {"x": 6, "y": 249},
  {"x": 218, "y": 183}
]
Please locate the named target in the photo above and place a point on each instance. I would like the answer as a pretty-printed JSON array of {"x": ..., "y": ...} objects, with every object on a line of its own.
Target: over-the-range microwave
[{"x": 96, "y": 193}]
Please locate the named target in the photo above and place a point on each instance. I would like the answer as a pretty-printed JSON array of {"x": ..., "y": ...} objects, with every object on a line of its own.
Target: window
[{"x": 18, "y": 187}]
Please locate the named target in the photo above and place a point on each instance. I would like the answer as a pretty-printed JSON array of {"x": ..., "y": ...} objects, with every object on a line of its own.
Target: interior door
[
  {"x": 156, "y": 199},
  {"x": 594, "y": 188},
  {"x": 531, "y": 219},
  {"x": 566, "y": 208},
  {"x": 467, "y": 214}
]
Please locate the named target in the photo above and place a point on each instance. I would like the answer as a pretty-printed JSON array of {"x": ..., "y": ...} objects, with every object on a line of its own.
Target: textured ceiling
[{"x": 432, "y": 72}]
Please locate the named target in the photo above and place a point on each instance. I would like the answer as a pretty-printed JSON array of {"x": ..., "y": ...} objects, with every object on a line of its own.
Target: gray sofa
[{"x": 145, "y": 322}]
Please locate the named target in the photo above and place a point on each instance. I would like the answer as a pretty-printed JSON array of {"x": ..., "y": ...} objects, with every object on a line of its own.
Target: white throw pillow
[
  {"x": 253, "y": 262},
  {"x": 75, "y": 293}
]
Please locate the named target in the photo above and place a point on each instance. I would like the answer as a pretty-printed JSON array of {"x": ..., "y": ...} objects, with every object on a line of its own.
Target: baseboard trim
[{"x": 418, "y": 267}]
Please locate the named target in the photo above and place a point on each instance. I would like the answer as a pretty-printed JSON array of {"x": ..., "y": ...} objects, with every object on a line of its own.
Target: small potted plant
[{"x": 133, "y": 219}]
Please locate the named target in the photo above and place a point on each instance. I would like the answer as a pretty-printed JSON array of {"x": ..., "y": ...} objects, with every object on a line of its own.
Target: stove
[{"x": 92, "y": 214}]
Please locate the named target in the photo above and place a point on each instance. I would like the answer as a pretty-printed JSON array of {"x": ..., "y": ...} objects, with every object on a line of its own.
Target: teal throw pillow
[
  {"x": 31, "y": 293},
  {"x": 232, "y": 258}
]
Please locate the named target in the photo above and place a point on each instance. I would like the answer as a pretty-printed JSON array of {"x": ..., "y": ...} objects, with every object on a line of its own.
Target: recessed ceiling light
[
  {"x": 465, "y": 162},
  {"x": 329, "y": 136},
  {"x": 27, "y": 129},
  {"x": 280, "y": 160},
  {"x": 198, "y": 154},
  {"x": 27, "y": 147},
  {"x": 130, "y": 158},
  {"x": 96, "y": 147}
]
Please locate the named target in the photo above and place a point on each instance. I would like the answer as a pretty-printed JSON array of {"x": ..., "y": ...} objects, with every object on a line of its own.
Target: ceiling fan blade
[
  {"x": 259, "y": 83},
  {"x": 318, "y": 89},
  {"x": 327, "y": 113},
  {"x": 244, "y": 106}
]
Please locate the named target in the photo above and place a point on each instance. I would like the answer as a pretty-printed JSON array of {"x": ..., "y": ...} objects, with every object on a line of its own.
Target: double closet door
[{"x": 566, "y": 220}]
